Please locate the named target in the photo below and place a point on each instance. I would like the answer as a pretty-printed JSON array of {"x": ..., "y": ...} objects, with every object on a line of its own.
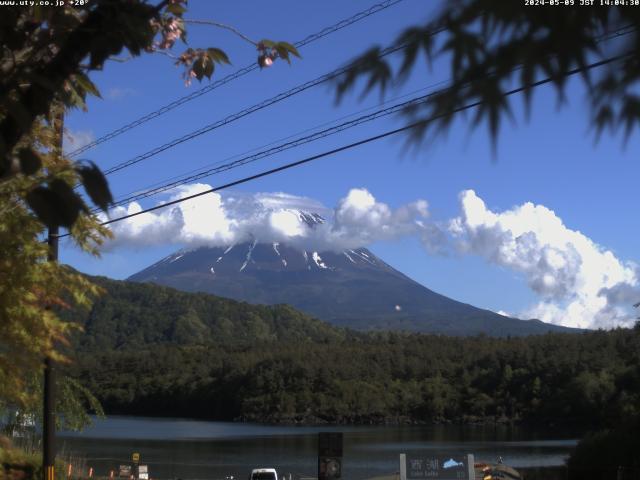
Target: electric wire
[
  {"x": 366, "y": 140},
  {"x": 274, "y": 142},
  {"x": 237, "y": 74},
  {"x": 220, "y": 166},
  {"x": 238, "y": 115},
  {"x": 266, "y": 103}
]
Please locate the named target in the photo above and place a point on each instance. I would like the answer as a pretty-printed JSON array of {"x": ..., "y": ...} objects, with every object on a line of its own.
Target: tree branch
[{"x": 222, "y": 25}]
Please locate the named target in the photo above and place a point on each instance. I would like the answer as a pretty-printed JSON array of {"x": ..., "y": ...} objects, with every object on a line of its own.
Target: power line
[
  {"x": 274, "y": 142},
  {"x": 238, "y": 115},
  {"x": 237, "y": 74},
  {"x": 266, "y": 103},
  {"x": 278, "y": 148},
  {"x": 366, "y": 140},
  {"x": 304, "y": 140}
]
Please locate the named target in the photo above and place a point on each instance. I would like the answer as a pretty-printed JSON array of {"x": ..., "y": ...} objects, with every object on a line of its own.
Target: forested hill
[
  {"x": 587, "y": 379},
  {"x": 156, "y": 351},
  {"x": 135, "y": 315}
]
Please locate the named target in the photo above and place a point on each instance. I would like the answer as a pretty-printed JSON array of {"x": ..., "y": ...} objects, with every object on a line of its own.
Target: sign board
[
  {"x": 143, "y": 469},
  {"x": 125, "y": 471},
  {"x": 441, "y": 467},
  {"x": 143, "y": 476},
  {"x": 135, "y": 457},
  {"x": 330, "y": 444},
  {"x": 329, "y": 455}
]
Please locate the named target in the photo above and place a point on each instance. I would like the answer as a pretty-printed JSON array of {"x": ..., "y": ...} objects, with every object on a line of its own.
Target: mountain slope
[
  {"x": 353, "y": 288},
  {"x": 131, "y": 316}
]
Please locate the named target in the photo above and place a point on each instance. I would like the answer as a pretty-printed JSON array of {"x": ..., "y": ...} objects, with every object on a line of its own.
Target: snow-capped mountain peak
[{"x": 352, "y": 287}]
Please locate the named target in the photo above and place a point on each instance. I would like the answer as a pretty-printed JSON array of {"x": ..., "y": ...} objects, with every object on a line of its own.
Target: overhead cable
[
  {"x": 365, "y": 141},
  {"x": 378, "y": 7}
]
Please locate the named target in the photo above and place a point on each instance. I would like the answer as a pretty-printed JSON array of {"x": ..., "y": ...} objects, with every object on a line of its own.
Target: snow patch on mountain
[
  {"x": 349, "y": 257},
  {"x": 177, "y": 257},
  {"x": 318, "y": 260},
  {"x": 248, "y": 258}
]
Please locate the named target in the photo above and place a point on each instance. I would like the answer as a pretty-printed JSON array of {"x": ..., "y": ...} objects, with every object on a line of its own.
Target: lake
[{"x": 192, "y": 449}]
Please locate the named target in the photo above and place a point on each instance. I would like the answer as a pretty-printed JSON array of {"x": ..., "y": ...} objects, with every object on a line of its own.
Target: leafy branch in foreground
[
  {"x": 46, "y": 56},
  {"x": 491, "y": 47}
]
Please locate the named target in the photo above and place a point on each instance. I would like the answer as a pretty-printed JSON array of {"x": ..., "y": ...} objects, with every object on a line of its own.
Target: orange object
[
  {"x": 69, "y": 469},
  {"x": 91, "y": 472}
]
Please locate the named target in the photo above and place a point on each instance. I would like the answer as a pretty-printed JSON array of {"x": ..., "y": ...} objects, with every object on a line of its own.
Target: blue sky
[{"x": 550, "y": 161}]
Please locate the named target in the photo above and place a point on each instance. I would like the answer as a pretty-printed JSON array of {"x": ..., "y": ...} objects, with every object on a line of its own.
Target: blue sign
[{"x": 441, "y": 467}]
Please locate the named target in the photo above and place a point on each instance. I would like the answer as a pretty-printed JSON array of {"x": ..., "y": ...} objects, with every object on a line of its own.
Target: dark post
[
  {"x": 49, "y": 412},
  {"x": 329, "y": 455},
  {"x": 49, "y": 426}
]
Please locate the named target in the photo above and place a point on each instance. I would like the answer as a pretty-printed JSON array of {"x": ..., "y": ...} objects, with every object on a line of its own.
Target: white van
[{"x": 263, "y": 474}]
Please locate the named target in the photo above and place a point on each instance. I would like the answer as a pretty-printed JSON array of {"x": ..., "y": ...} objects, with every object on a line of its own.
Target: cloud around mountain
[
  {"x": 223, "y": 219},
  {"x": 579, "y": 282}
]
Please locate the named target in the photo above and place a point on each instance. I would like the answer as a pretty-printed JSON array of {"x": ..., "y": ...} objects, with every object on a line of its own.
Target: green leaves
[
  {"x": 204, "y": 61},
  {"x": 74, "y": 93},
  {"x": 284, "y": 49},
  {"x": 203, "y": 66},
  {"x": 268, "y": 51},
  {"x": 492, "y": 47},
  {"x": 95, "y": 184},
  {"x": 176, "y": 9},
  {"x": 56, "y": 204},
  {"x": 30, "y": 161},
  {"x": 87, "y": 85},
  {"x": 370, "y": 65},
  {"x": 218, "y": 56}
]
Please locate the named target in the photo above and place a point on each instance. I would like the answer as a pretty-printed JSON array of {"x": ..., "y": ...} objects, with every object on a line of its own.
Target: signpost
[
  {"x": 329, "y": 455},
  {"x": 441, "y": 467},
  {"x": 125, "y": 471},
  {"x": 143, "y": 472}
]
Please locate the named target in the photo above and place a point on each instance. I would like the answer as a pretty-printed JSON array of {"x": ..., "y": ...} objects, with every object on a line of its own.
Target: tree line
[{"x": 590, "y": 379}]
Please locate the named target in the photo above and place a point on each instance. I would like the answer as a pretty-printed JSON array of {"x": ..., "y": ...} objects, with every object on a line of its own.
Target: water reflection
[{"x": 176, "y": 448}]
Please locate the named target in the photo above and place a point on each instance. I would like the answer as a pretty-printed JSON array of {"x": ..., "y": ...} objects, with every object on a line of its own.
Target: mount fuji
[{"x": 352, "y": 288}]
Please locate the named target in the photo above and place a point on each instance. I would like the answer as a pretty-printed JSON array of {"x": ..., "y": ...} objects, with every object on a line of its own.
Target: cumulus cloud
[
  {"x": 360, "y": 220},
  {"x": 579, "y": 282},
  {"x": 220, "y": 219},
  {"x": 75, "y": 139},
  {"x": 118, "y": 93}
]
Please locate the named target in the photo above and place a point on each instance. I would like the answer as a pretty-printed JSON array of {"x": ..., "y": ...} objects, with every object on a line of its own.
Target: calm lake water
[{"x": 191, "y": 449}]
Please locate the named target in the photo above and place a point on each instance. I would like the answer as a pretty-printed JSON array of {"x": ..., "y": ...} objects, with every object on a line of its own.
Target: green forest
[
  {"x": 154, "y": 350},
  {"x": 151, "y": 350},
  {"x": 590, "y": 379}
]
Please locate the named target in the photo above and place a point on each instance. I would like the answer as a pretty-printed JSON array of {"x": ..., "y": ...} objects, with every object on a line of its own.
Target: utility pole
[{"x": 49, "y": 412}]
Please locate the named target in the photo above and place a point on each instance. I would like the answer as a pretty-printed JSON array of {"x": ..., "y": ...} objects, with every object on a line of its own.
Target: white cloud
[
  {"x": 361, "y": 220},
  {"x": 118, "y": 93},
  {"x": 75, "y": 139},
  {"x": 580, "y": 283},
  {"x": 222, "y": 219}
]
